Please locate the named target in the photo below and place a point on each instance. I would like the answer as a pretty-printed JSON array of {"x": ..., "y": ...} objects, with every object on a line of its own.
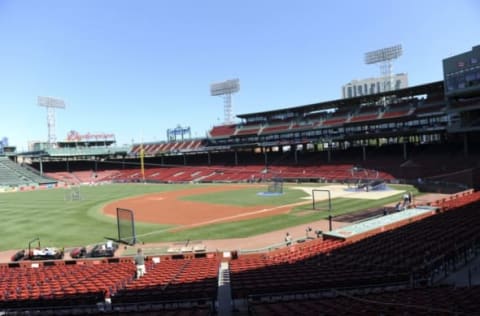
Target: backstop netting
[
  {"x": 126, "y": 226},
  {"x": 321, "y": 200},
  {"x": 276, "y": 186}
]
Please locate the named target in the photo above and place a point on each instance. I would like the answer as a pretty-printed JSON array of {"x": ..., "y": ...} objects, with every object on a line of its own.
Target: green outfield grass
[{"x": 46, "y": 214}]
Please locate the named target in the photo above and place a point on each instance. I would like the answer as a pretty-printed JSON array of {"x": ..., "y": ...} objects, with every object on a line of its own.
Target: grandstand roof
[
  {"x": 350, "y": 102},
  {"x": 76, "y": 152}
]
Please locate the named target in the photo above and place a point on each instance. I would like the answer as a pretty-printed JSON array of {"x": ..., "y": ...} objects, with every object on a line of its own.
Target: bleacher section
[
  {"x": 430, "y": 162},
  {"x": 82, "y": 285},
  {"x": 364, "y": 117},
  {"x": 303, "y": 125},
  {"x": 61, "y": 285},
  {"x": 153, "y": 149},
  {"x": 400, "y": 109},
  {"x": 410, "y": 255},
  {"x": 442, "y": 300},
  {"x": 172, "y": 280},
  {"x": 248, "y": 130},
  {"x": 332, "y": 274},
  {"x": 222, "y": 131},
  {"x": 64, "y": 177},
  {"x": 334, "y": 121},
  {"x": 83, "y": 177},
  {"x": 366, "y": 113},
  {"x": 14, "y": 175},
  {"x": 249, "y": 173},
  {"x": 276, "y": 128}
]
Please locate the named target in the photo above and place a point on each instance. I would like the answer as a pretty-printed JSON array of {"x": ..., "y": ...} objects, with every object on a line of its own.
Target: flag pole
[{"x": 142, "y": 164}]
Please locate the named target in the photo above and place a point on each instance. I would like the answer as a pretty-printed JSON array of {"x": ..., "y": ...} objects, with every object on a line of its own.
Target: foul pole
[{"x": 142, "y": 163}]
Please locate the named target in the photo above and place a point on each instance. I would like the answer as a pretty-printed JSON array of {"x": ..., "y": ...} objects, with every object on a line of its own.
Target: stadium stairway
[{"x": 224, "y": 294}]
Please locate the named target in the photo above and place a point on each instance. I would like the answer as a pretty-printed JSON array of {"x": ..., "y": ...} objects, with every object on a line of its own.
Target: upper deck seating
[
  {"x": 250, "y": 129},
  {"x": 275, "y": 128},
  {"x": 222, "y": 131}
]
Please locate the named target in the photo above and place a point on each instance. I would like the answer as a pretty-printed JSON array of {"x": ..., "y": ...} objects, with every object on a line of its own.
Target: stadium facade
[
  {"x": 462, "y": 74},
  {"x": 400, "y": 132}
]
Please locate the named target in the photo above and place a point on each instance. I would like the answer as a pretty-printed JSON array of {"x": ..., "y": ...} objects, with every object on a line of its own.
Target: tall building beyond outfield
[{"x": 358, "y": 88}]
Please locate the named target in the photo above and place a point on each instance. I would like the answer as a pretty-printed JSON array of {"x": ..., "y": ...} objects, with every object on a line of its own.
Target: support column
[
  {"x": 295, "y": 155},
  {"x": 236, "y": 158},
  {"x": 41, "y": 165},
  {"x": 465, "y": 144},
  {"x": 329, "y": 153},
  {"x": 266, "y": 157},
  {"x": 364, "y": 153},
  {"x": 405, "y": 156},
  {"x": 209, "y": 158}
]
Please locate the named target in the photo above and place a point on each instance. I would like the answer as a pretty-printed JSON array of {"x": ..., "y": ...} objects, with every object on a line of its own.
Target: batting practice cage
[
  {"x": 276, "y": 186},
  {"x": 126, "y": 226},
  {"x": 73, "y": 194}
]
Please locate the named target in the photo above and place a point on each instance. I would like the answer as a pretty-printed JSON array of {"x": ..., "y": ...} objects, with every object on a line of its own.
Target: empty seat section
[
  {"x": 222, "y": 131},
  {"x": 421, "y": 248}
]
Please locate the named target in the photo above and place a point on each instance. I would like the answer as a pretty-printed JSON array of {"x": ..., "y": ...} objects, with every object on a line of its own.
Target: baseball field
[{"x": 169, "y": 212}]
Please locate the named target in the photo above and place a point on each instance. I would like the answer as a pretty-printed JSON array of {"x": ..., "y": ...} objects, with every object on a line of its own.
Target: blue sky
[{"x": 137, "y": 68}]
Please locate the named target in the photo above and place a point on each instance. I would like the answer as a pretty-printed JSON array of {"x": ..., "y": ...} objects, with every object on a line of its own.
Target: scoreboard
[{"x": 462, "y": 74}]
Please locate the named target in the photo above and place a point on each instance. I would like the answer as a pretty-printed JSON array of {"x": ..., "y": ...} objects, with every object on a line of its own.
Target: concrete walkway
[{"x": 224, "y": 294}]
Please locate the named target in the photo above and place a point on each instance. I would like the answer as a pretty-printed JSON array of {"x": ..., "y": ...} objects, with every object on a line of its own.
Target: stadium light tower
[
  {"x": 385, "y": 57},
  {"x": 226, "y": 89},
  {"x": 51, "y": 104}
]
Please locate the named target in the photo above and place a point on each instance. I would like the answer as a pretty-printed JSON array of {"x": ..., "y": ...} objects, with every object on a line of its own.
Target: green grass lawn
[
  {"x": 248, "y": 197},
  {"x": 46, "y": 214}
]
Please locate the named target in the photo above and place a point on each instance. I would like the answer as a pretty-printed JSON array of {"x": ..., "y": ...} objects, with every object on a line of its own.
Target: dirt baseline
[{"x": 167, "y": 208}]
